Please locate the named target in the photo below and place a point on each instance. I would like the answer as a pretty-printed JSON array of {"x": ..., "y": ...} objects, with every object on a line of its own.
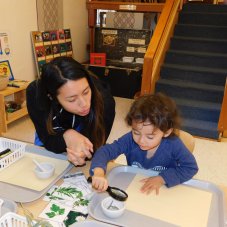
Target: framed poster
[{"x": 5, "y": 69}]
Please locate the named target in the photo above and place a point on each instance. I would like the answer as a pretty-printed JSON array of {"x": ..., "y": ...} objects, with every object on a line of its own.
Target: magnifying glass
[{"x": 114, "y": 192}]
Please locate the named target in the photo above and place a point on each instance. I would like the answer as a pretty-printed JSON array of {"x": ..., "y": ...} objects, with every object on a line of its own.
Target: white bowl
[
  {"x": 112, "y": 208},
  {"x": 45, "y": 174}
]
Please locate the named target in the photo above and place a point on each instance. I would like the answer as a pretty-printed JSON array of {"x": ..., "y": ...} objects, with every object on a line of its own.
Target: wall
[
  {"x": 75, "y": 17},
  {"x": 19, "y": 18}
]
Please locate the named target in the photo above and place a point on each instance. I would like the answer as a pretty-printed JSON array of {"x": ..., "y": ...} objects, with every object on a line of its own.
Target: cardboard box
[{"x": 98, "y": 59}]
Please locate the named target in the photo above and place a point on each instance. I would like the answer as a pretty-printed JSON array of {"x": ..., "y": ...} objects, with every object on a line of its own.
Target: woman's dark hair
[
  {"x": 55, "y": 74},
  {"x": 158, "y": 109}
]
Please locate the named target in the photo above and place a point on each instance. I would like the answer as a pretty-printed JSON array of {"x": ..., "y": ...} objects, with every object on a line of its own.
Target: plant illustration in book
[
  {"x": 74, "y": 217},
  {"x": 69, "y": 201},
  {"x": 55, "y": 210}
]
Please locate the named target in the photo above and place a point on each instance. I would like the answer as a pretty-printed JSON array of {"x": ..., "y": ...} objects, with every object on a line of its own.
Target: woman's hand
[
  {"x": 99, "y": 182},
  {"x": 78, "y": 147},
  {"x": 152, "y": 183}
]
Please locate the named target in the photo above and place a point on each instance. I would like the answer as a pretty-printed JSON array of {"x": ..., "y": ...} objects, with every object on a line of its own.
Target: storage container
[{"x": 17, "y": 151}]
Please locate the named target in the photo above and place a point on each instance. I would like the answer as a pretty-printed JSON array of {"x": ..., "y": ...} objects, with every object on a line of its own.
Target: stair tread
[
  {"x": 195, "y": 68},
  {"x": 199, "y": 104},
  {"x": 208, "y": 54},
  {"x": 207, "y": 13},
  {"x": 202, "y": 25},
  {"x": 181, "y": 83},
  {"x": 209, "y": 38},
  {"x": 203, "y": 8},
  {"x": 199, "y": 39},
  {"x": 205, "y": 125}
]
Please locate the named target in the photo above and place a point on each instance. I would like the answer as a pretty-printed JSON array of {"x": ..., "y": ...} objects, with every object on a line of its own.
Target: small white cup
[
  {"x": 109, "y": 203},
  {"x": 49, "y": 170}
]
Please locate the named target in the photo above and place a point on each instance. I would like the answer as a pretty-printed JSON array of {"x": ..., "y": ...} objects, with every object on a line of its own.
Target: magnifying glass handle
[
  {"x": 89, "y": 179},
  {"x": 108, "y": 189}
]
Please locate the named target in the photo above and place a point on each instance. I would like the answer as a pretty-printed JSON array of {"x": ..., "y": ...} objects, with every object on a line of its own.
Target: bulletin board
[{"x": 50, "y": 44}]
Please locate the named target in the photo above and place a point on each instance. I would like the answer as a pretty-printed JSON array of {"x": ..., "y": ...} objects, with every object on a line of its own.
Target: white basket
[
  {"x": 13, "y": 220},
  {"x": 18, "y": 149}
]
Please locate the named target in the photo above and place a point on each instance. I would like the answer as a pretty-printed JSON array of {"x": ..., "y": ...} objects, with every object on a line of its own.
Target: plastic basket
[
  {"x": 13, "y": 220},
  {"x": 18, "y": 149}
]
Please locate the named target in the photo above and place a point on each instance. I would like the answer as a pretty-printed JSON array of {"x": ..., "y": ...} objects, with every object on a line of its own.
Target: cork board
[
  {"x": 21, "y": 173},
  {"x": 180, "y": 205}
]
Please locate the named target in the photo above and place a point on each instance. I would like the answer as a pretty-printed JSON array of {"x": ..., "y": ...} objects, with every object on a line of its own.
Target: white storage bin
[
  {"x": 13, "y": 220},
  {"x": 17, "y": 148}
]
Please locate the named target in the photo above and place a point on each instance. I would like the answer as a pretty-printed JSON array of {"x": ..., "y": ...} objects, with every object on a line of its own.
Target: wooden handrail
[
  {"x": 158, "y": 45},
  {"x": 222, "y": 123},
  {"x": 125, "y": 6}
]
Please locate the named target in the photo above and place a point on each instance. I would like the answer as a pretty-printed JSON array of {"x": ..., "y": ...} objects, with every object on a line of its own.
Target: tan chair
[{"x": 187, "y": 139}]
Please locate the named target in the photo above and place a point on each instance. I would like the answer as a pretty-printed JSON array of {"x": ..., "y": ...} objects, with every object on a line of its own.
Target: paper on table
[
  {"x": 21, "y": 173},
  {"x": 181, "y": 205}
]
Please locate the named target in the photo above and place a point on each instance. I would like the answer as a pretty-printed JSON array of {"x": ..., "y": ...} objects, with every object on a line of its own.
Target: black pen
[{"x": 5, "y": 151}]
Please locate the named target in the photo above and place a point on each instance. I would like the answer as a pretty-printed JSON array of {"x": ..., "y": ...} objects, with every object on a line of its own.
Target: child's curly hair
[{"x": 158, "y": 109}]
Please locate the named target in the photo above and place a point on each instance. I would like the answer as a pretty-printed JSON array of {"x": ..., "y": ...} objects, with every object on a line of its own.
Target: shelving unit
[
  {"x": 94, "y": 5},
  {"x": 146, "y": 7},
  {"x": 19, "y": 96}
]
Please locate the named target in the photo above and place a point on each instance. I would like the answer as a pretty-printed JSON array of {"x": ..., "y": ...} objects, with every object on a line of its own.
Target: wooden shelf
[
  {"x": 10, "y": 117},
  {"x": 19, "y": 96}
]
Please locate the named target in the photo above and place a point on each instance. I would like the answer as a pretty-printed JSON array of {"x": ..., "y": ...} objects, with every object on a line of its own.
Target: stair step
[
  {"x": 202, "y": 31},
  {"x": 201, "y": 7},
  {"x": 195, "y": 44},
  {"x": 213, "y": 60},
  {"x": 195, "y": 66},
  {"x": 199, "y": 110},
  {"x": 198, "y": 104},
  {"x": 195, "y": 74},
  {"x": 194, "y": 91},
  {"x": 217, "y": 19},
  {"x": 200, "y": 128}
]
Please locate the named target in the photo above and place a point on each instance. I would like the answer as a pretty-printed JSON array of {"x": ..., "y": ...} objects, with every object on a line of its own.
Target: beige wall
[
  {"x": 75, "y": 17},
  {"x": 18, "y": 17}
]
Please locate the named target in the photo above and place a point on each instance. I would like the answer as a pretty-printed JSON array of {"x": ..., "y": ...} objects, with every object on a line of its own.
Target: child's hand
[
  {"x": 99, "y": 183},
  {"x": 152, "y": 183}
]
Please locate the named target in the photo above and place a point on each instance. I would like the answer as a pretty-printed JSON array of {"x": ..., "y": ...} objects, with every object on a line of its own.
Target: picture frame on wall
[{"x": 5, "y": 69}]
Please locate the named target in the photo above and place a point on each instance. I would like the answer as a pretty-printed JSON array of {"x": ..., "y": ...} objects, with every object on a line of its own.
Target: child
[{"x": 152, "y": 144}]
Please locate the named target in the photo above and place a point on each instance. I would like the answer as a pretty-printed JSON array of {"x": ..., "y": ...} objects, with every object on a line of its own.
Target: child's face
[{"x": 146, "y": 135}]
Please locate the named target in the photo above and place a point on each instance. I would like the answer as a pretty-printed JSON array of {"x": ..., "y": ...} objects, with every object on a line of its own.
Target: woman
[{"x": 71, "y": 109}]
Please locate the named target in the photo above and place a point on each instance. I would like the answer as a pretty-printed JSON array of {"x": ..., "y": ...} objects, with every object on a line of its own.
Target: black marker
[{"x": 5, "y": 151}]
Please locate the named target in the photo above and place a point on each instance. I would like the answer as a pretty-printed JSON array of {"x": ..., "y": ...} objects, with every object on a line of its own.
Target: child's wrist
[{"x": 99, "y": 172}]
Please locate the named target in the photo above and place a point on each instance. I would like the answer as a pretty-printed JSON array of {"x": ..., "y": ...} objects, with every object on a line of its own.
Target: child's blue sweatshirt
[{"x": 174, "y": 162}]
